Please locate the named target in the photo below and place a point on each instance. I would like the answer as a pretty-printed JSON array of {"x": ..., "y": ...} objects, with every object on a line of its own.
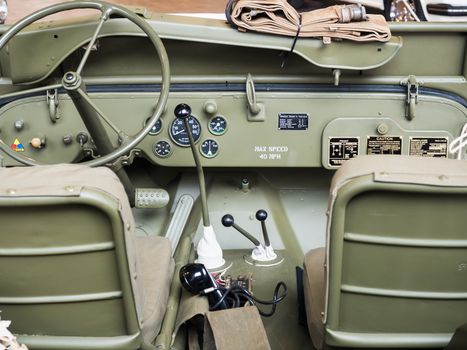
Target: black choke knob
[
  {"x": 261, "y": 215},
  {"x": 227, "y": 220},
  {"x": 182, "y": 111}
]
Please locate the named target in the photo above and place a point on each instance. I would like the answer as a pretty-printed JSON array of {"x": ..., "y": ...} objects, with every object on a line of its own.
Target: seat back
[
  {"x": 64, "y": 268},
  {"x": 397, "y": 252}
]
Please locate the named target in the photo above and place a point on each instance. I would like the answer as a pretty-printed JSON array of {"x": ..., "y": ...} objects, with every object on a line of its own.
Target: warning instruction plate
[
  {"x": 429, "y": 147},
  {"x": 342, "y": 149},
  {"x": 384, "y": 145}
]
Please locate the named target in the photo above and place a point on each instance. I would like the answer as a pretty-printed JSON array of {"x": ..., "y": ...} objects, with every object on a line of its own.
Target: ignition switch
[{"x": 82, "y": 138}]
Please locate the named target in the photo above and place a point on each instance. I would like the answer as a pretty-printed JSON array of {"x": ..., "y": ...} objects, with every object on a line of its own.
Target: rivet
[
  {"x": 128, "y": 227},
  {"x": 442, "y": 177},
  {"x": 384, "y": 174},
  {"x": 70, "y": 188}
]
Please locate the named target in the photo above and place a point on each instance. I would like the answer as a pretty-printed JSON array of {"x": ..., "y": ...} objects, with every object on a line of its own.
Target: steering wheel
[{"x": 72, "y": 82}]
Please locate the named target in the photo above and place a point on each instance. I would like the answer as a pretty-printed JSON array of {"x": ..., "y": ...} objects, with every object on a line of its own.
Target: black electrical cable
[{"x": 237, "y": 296}]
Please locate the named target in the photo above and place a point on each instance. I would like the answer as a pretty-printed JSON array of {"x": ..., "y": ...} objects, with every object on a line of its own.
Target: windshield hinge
[
  {"x": 52, "y": 103},
  {"x": 412, "y": 96}
]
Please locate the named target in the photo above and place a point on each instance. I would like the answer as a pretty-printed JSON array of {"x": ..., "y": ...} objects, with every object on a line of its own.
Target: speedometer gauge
[{"x": 178, "y": 133}]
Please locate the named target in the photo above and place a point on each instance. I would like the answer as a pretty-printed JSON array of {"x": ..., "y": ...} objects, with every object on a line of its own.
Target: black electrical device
[{"x": 196, "y": 279}]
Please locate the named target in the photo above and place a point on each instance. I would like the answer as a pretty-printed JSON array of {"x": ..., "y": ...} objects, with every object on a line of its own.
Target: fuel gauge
[
  {"x": 218, "y": 125},
  {"x": 209, "y": 148}
]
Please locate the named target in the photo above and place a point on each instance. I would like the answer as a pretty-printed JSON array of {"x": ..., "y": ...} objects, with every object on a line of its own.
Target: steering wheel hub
[{"x": 71, "y": 79}]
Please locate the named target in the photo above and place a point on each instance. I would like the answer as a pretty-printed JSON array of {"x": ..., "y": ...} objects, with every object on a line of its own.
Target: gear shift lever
[
  {"x": 262, "y": 215},
  {"x": 228, "y": 221},
  {"x": 259, "y": 252},
  {"x": 209, "y": 250}
]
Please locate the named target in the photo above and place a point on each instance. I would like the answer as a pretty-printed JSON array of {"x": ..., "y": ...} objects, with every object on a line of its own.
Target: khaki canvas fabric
[
  {"x": 156, "y": 271},
  {"x": 66, "y": 180},
  {"x": 314, "y": 289},
  {"x": 233, "y": 329},
  {"x": 279, "y": 17}
]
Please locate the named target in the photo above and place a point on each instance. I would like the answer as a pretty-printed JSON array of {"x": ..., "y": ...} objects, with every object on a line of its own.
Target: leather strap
[{"x": 279, "y": 17}]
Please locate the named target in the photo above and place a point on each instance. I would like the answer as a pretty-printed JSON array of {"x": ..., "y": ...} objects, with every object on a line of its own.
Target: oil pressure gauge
[
  {"x": 209, "y": 148},
  {"x": 178, "y": 133},
  {"x": 218, "y": 125},
  {"x": 162, "y": 149},
  {"x": 156, "y": 128}
]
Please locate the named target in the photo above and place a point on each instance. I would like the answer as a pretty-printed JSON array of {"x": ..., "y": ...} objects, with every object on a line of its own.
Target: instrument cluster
[{"x": 178, "y": 136}]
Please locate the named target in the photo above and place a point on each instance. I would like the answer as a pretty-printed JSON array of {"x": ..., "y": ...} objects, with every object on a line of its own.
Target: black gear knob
[
  {"x": 182, "y": 111},
  {"x": 261, "y": 215},
  {"x": 227, "y": 220}
]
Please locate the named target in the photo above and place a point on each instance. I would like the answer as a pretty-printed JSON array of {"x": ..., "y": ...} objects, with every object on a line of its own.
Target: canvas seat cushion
[{"x": 150, "y": 260}]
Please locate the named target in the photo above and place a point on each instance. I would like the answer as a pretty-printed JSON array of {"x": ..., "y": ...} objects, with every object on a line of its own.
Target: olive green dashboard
[
  {"x": 317, "y": 107},
  {"x": 295, "y": 128}
]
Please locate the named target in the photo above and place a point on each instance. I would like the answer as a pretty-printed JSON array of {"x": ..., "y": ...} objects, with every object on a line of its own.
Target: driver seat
[{"x": 73, "y": 273}]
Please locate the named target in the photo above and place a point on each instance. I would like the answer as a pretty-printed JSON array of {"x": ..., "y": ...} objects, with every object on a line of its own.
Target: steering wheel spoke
[
  {"x": 72, "y": 82},
  {"x": 99, "y": 112},
  {"x": 106, "y": 12}
]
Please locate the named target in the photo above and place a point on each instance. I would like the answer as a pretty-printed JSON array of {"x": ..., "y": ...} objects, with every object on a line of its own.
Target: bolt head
[{"x": 70, "y": 78}]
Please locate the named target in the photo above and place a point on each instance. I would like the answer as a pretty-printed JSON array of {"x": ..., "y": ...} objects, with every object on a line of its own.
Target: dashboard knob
[
  {"x": 37, "y": 142},
  {"x": 261, "y": 215},
  {"x": 227, "y": 220},
  {"x": 210, "y": 107},
  {"x": 67, "y": 139},
  {"x": 19, "y": 124},
  {"x": 182, "y": 111}
]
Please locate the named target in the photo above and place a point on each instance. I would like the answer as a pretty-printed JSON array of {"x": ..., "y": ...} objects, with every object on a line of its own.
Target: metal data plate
[{"x": 346, "y": 138}]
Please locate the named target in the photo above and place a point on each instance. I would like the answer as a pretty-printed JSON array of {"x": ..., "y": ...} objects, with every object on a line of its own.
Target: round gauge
[
  {"x": 218, "y": 125},
  {"x": 162, "y": 149},
  {"x": 156, "y": 128},
  {"x": 178, "y": 133},
  {"x": 209, "y": 148}
]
